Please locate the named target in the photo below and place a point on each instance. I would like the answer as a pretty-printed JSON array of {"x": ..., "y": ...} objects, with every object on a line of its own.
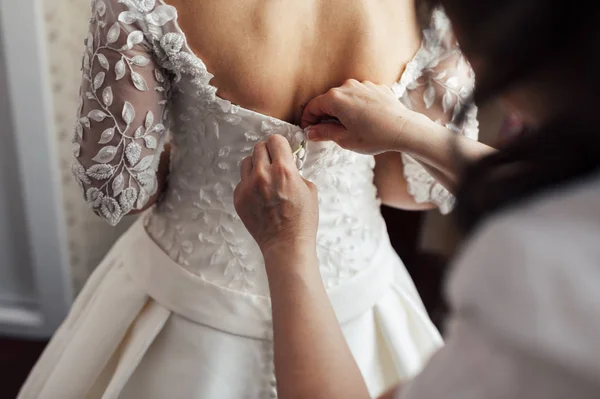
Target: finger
[
  {"x": 369, "y": 84},
  {"x": 260, "y": 156},
  {"x": 246, "y": 167},
  {"x": 279, "y": 150},
  {"x": 327, "y": 132},
  {"x": 321, "y": 107}
]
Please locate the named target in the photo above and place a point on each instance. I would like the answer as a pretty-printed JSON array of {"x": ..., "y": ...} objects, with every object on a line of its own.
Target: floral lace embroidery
[
  {"x": 154, "y": 77},
  {"x": 121, "y": 175},
  {"x": 438, "y": 71}
]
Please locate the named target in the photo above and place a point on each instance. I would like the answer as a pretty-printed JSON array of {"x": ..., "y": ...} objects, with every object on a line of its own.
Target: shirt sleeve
[
  {"x": 477, "y": 365},
  {"x": 120, "y": 130},
  {"x": 444, "y": 86},
  {"x": 523, "y": 295}
]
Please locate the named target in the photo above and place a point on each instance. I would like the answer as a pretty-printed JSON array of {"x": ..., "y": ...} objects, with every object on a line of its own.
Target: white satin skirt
[{"x": 145, "y": 328}]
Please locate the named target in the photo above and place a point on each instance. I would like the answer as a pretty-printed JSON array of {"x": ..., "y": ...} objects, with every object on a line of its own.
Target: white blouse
[{"x": 526, "y": 306}]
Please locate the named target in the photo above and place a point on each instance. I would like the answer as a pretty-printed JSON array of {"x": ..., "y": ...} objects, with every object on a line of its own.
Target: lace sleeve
[
  {"x": 120, "y": 131},
  {"x": 439, "y": 89}
]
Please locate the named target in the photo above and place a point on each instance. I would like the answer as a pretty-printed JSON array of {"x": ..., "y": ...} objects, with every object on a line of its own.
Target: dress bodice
[
  {"x": 197, "y": 225},
  {"x": 141, "y": 81}
]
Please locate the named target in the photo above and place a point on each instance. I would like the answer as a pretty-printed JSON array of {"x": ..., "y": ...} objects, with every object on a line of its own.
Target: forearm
[
  {"x": 449, "y": 182},
  {"x": 437, "y": 147},
  {"x": 312, "y": 359}
]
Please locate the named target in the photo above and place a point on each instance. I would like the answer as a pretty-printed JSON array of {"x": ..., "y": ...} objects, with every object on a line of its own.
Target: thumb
[{"x": 326, "y": 132}]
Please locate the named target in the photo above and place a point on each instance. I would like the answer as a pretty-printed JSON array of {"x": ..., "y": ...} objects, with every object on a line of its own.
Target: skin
[
  {"x": 280, "y": 210},
  {"x": 307, "y": 48},
  {"x": 372, "y": 121}
]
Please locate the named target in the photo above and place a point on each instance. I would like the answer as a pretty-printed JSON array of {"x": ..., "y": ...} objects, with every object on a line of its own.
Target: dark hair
[{"x": 555, "y": 44}]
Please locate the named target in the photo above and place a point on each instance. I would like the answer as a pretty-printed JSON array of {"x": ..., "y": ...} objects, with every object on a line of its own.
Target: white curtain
[{"x": 66, "y": 27}]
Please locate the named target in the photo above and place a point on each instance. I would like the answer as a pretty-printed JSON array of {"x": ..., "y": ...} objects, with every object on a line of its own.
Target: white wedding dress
[{"x": 180, "y": 306}]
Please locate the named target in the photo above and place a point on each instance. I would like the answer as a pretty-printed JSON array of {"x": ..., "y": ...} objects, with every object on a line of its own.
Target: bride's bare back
[{"x": 273, "y": 56}]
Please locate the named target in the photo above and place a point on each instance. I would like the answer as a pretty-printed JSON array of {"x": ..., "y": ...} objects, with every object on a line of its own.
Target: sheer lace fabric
[
  {"x": 140, "y": 80},
  {"x": 437, "y": 83}
]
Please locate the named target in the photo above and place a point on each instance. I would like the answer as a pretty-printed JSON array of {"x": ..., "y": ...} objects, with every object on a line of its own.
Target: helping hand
[
  {"x": 371, "y": 119},
  {"x": 278, "y": 207}
]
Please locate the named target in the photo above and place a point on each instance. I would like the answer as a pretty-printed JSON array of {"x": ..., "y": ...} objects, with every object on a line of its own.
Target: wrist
[
  {"x": 297, "y": 256},
  {"x": 407, "y": 130},
  {"x": 419, "y": 135}
]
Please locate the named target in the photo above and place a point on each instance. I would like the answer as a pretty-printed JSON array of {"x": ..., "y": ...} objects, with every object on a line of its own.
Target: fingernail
[{"x": 313, "y": 134}]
